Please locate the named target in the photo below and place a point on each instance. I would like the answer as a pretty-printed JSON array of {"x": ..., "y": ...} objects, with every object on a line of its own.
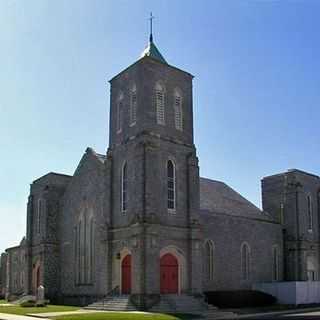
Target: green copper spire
[{"x": 151, "y": 50}]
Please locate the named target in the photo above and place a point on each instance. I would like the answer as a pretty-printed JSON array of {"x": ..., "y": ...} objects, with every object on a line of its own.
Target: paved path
[
  {"x": 6, "y": 316},
  {"x": 65, "y": 313},
  {"x": 61, "y": 313},
  {"x": 6, "y": 305}
]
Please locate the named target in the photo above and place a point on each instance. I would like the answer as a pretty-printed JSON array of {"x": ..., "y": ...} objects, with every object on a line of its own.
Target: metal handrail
[{"x": 113, "y": 292}]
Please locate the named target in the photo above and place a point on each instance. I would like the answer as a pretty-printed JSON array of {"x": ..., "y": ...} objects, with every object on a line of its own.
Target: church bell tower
[{"x": 155, "y": 178}]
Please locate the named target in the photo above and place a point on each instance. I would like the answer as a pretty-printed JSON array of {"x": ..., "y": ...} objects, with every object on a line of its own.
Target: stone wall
[
  {"x": 285, "y": 196},
  {"x": 228, "y": 233},
  {"x": 84, "y": 199},
  {"x": 3, "y": 274},
  {"x": 16, "y": 271}
]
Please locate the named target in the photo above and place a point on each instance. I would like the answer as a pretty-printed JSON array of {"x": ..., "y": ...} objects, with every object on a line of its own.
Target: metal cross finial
[{"x": 151, "y": 18}]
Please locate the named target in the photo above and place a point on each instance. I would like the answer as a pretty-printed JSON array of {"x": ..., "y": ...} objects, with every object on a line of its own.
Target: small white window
[
  {"x": 245, "y": 261},
  {"x": 160, "y": 102},
  {"x": 133, "y": 105},
  {"x": 124, "y": 183},
  {"x": 178, "y": 110},
  {"x": 310, "y": 217},
  {"x": 171, "y": 185}
]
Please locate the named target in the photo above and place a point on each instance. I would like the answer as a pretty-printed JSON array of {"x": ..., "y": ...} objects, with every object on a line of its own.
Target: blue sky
[{"x": 256, "y": 86}]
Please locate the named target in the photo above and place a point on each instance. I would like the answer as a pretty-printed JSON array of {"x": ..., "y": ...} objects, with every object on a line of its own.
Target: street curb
[{"x": 274, "y": 313}]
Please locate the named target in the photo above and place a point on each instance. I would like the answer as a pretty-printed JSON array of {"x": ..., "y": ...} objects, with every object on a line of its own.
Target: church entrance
[
  {"x": 38, "y": 278},
  {"x": 169, "y": 272},
  {"x": 126, "y": 275}
]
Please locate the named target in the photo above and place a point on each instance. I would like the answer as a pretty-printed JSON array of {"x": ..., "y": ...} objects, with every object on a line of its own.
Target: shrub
[
  {"x": 41, "y": 303},
  {"x": 28, "y": 304},
  {"x": 239, "y": 298}
]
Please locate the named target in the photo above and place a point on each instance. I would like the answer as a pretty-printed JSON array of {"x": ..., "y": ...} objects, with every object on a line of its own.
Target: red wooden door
[
  {"x": 38, "y": 278},
  {"x": 168, "y": 274},
  {"x": 126, "y": 275}
]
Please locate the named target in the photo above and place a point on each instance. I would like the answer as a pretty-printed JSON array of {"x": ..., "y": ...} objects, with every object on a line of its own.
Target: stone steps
[
  {"x": 179, "y": 304},
  {"x": 116, "y": 303},
  {"x": 168, "y": 304},
  {"x": 213, "y": 313}
]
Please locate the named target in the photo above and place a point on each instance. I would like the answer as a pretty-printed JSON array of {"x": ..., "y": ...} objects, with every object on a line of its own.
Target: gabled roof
[
  {"x": 293, "y": 171},
  {"x": 218, "y": 197},
  {"x": 48, "y": 175},
  {"x": 152, "y": 51}
]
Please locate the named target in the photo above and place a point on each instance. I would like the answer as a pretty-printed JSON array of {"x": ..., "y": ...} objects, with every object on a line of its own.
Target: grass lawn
[
  {"x": 118, "y": 316},
  {"x": 22, "y": 311},
  {"x": 3, "y": 301}
]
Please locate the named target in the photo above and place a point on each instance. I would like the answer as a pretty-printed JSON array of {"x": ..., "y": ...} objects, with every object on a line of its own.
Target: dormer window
[{"x": 160, "y": 96}]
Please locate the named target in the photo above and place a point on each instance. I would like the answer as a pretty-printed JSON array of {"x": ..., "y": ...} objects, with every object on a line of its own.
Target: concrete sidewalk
[
  {"x": 80, "y": 311},
  {"x": 277, "y": 313},
  {"x": 7, "y": 316},
  {"x": 61, "y": 313}
]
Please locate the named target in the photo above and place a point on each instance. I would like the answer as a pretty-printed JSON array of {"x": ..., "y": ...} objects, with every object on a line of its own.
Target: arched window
[
  {"x": 275, "y": 263},
  {"x": 171, "y": 184},
  {"x": 281, "y": 218},
  {"x": 40, "y": 214},
  {"x": 310, "y": 218},
  {"x": 209, "y": 260},
  {"x": 160, "y": 98},
  {"x": 318, "y": 203},
  {"x": 311, "y": 268},
  {"x": 133, "y": 105},
  {"x": 84, "y": 249},
  {"x": 178, "y": 110},
  {"x": 124, "y": 183},
  {"x": 89, "y": 249},
  {"x": 119, "y": 112},
  {"x": 245, "y": 261}
]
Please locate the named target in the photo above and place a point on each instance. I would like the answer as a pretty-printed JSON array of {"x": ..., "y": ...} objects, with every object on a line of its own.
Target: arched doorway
[
  {"x": 38, "y": 278},
  {"x": 169, "y": 274},
  {"x": 126, "y": 275}
]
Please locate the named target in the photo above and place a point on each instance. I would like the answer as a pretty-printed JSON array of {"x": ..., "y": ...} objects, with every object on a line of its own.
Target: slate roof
[
  {"x": 101, "y": 157},
  {"x": 152, "y": 51},
  {"x": 217, "y": 197}
]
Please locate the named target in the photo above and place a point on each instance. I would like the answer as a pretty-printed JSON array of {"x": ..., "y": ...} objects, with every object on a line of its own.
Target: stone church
[{"x": 140, "y": 221}]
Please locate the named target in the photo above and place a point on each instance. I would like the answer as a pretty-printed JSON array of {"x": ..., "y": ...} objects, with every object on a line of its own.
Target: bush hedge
[{"x": 239, "y": 299}]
